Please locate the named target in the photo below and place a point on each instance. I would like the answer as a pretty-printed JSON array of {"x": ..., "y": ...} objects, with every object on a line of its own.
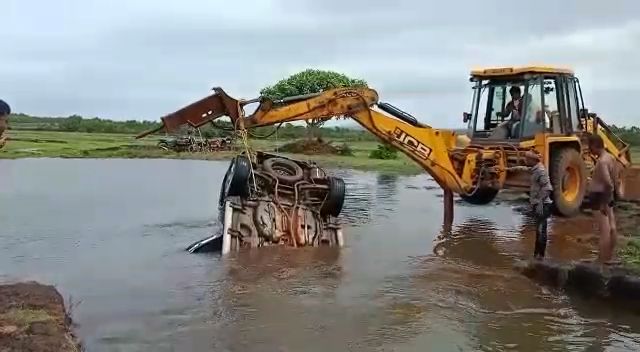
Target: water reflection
[
  {"x": 386, "y": 190},
  {"x": 358, "y": 202}
]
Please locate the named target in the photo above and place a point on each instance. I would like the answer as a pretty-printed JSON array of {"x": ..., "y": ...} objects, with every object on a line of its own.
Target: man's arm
[{"x": 507, "y": 110}]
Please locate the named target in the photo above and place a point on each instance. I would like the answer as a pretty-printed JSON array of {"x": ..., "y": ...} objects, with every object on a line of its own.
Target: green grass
[
  {"x": 24, "y": 317},
  {"x": 52, "y": 144},
  {"x": 630, "y": 253}
]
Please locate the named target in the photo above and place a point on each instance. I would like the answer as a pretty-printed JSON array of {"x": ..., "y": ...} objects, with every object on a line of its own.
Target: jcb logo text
[{"x": 411, "y": 143}]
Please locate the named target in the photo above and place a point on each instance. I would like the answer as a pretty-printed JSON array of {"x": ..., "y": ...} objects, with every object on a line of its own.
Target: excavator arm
[{"x": 425, "y": 145}]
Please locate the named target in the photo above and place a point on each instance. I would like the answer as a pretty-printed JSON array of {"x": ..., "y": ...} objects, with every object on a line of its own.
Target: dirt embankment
[
  {"x": 619, "y": 284},
  {"x": 33, "y": 317},
  {"x": 314, "y": 146},
  {"x": 632, "y": 183}
]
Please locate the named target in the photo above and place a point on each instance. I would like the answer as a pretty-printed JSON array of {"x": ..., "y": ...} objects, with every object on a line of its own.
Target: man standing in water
[
  {"x": 603, "y": 193},
  {"x": 539, "y": 198},
  {"x": 5, "y": 110}
]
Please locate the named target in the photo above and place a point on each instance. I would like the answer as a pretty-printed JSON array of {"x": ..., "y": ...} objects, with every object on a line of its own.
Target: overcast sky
[{"x": 141, "y": 59}]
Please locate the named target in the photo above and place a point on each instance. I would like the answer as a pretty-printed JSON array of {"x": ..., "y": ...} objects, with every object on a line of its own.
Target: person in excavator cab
[
  {"x": 513, "y": 108},
  {"x": 518, "y": 107}
]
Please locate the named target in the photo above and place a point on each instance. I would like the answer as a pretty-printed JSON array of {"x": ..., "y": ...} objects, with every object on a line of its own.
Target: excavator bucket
[{"x": 198, "y": 113}]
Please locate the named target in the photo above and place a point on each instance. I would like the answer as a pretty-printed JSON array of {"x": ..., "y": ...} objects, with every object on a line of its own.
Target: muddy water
[{"x": 111, "y": 234}]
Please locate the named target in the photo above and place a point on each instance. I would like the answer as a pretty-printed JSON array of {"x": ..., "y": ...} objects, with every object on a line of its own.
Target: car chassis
[{"x": 268, "y": 199}]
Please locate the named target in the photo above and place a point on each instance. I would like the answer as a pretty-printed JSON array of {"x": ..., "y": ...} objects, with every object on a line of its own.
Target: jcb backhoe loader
[{"x": 514, "y": 109}]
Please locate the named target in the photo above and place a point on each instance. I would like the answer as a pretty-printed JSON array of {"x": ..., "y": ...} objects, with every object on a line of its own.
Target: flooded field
[{"x": 111, "y": 235}]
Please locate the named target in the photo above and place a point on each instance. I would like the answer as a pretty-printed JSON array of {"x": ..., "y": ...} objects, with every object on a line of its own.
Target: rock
[
  {"x": 8, "y": 329},
  {"x": 545, "y": 271},
  {"x": 619, "y": 285},
  {"x": 624, "y": 287},
  {"x": 586, "y": 279},
  {"x": 42, "y": 329}
]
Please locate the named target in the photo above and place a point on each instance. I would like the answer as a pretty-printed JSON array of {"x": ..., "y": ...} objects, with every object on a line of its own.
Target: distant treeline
[
  {"x": 220, "y": 129},
  {"x": 286, "y": 131},
  {"x": 77, "y": 123}
]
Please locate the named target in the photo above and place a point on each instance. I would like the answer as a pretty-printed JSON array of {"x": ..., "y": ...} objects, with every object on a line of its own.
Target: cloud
[{"x": 143, "y": 59}]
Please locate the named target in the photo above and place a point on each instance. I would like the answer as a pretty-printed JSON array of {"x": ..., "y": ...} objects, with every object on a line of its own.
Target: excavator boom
[
  {"x": 425, "y": 145},
  {"x": 492, "y": 156}
]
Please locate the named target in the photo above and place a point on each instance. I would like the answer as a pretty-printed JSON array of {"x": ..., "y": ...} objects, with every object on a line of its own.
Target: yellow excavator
[{"x": 514, "y": 109}]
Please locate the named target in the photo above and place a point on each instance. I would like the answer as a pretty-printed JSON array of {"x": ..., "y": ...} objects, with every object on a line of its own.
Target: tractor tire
[
  {"x": 568, "y": 174},
  {"x": 164, "y": 146},
  {"x": 285, "y": 170},
  {"x": 482, "y": 196},
  {"x": 335, "y": 199},
  {"x": 236, "y": 180}
]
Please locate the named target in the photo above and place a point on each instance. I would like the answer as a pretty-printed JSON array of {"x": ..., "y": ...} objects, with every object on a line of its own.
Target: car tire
[
  {"x": 335, "y": 198},
  {"x": 236, "y": 179},
  {"x": 285, "y": 170}
]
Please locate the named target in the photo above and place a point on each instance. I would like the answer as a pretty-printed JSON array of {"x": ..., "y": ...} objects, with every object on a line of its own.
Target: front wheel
[
  {"x": 569, "y": 180},
  {"x": 236, "y": 180}
]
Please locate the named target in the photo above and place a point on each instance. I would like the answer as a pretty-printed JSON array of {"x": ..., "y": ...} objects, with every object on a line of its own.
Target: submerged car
[{"x": 275, "y": 200}]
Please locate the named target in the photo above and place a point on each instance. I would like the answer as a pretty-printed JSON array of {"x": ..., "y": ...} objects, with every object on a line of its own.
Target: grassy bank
[
  {"x": 33, "y": 317},
  {"x": 38, "y": 144},
  {"x": 53, "y": 144}
]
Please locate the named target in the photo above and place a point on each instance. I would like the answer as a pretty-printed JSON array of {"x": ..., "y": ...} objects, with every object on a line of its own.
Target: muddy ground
[{"x": 33, "y": 317}]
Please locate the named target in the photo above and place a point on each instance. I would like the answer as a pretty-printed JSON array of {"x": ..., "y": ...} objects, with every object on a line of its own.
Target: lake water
[{"x": 111, "y": 235}]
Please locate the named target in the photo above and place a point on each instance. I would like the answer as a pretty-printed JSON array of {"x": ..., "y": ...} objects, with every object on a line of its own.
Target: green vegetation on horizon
[
  {"x": 75, "y": 123},
  {"x": 38, "y": 144}
]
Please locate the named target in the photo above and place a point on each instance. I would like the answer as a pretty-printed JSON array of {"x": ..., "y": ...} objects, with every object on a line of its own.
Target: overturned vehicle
[{"x": 267, "y": 199}]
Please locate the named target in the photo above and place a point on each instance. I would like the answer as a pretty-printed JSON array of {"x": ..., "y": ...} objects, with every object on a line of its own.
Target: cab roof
[{"x": 518, "y": 70}]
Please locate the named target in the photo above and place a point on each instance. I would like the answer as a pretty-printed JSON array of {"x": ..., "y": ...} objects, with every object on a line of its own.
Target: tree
[{"x": 310, "y": 81}]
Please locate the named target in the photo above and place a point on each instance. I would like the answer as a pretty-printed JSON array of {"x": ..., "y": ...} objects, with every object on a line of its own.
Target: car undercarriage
[{"x": 267, "y": 200}]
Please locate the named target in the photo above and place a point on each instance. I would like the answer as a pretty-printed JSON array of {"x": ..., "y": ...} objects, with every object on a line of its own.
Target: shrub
[{"x": 384, "y": 151}]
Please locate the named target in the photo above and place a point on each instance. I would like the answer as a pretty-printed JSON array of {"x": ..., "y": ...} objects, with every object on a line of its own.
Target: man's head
[
  {"x": 596, "y": 144},
  {"x": 5, "y": 110},
  {"x": 515, "y": 92},
  {"x": 532, "y": 157}
]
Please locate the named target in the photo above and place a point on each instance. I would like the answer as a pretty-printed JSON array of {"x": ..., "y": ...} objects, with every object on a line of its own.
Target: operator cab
[{"x": 515, "y": 104}]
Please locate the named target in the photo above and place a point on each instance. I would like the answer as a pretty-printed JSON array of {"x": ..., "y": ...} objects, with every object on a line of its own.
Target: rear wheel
[
  {"x": 569, "y": 180},
  {"x": 335, "y": 199},
  {"x": 481, "y": 197}
]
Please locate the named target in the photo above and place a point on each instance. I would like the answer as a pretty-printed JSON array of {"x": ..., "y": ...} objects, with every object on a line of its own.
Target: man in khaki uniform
[
  {"x": 539, "y": 198},
  {"x": 603, "y": 193},
  {"x": 5, "y": 110}
]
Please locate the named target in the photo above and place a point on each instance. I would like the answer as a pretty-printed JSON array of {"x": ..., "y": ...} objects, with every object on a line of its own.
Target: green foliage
[
  {"x": 77, "y": 123},
  {"x": 631, "y": 253},
  {"x": 384, "y": 152},
  {"x": 310, "y": 81},
  {"x": 219, "y": 128},
  {"x": 630, "y": 135},
  {"x": 345, "y": 150}
]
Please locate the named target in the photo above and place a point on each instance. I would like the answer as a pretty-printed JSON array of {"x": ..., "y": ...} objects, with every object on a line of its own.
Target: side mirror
[{"x": 466, "y": 117}]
